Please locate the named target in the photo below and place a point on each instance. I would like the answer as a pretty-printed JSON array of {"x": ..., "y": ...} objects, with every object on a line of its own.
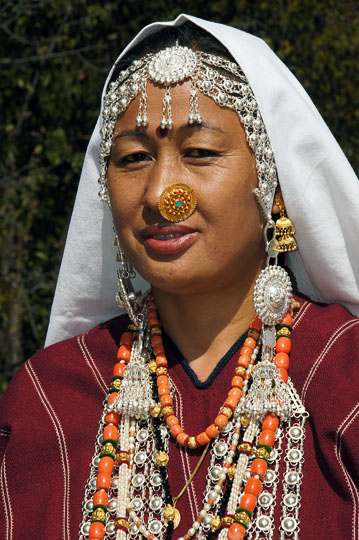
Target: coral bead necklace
[
  {"x": 232, "y": 399},
  {"x": 230, "y": 505}
]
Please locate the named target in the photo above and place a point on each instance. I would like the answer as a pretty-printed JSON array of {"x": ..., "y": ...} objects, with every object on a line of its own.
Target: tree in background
[{"x": 54, "y": 58}]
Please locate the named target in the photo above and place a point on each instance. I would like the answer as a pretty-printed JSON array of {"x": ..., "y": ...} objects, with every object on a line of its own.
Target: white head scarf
[{"x": 320, "y": 190}]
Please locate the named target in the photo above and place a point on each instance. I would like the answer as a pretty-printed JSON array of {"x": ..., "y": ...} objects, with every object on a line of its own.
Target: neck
[{"x": 205, "y": 326}]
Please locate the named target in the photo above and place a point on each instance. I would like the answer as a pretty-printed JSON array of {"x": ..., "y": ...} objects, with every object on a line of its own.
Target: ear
[
  {"x": 275, "y": 208},
  {"x": 278, "y": 201}
]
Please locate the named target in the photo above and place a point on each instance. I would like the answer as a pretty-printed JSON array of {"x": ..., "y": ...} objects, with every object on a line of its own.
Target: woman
[{"x": 202, "y": 434}]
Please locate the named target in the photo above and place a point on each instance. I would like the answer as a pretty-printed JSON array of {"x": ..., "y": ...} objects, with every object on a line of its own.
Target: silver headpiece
[{"x": 212, "y": 75}]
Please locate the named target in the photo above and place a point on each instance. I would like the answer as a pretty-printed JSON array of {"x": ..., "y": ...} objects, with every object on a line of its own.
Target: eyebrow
[
  {"x": 131, "y": 133},
  {"x": 205, "y": 125},
  {"x": 138, "y": 132}
]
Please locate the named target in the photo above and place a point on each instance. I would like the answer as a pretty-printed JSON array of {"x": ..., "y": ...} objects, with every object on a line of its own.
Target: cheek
[{"x": 125, "y": 200}]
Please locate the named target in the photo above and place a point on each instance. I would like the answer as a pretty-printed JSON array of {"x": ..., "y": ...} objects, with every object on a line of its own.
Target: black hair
[{"x": 186, "y": 35}]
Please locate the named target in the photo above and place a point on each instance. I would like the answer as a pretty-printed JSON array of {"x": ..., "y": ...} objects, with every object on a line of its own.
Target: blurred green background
[{"x": 54, "y": 59}]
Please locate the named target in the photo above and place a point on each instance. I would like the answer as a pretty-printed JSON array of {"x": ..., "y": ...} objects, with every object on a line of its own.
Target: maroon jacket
[{"x": 49, "y": 419}]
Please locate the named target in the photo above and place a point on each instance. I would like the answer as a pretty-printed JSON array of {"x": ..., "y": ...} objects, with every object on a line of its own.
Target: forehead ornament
[
  {"x": 177, "y": 202},
  {"x": 216, "y": 77}
]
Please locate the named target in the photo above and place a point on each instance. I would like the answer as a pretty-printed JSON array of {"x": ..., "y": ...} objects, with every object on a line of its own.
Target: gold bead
[
  {"x": 243, "y": 517},
  {"x": 166, "y": 411},
  {"x": 123, "y": 456},
  {"x": 227, "y": 521},
  {"x": 227, "y": 411},
  {"x": 108, "y": 448},
  {"x": 156, "y": 330},
  {"x": 231, "y": 471},
  {"x": 99, "y": 514},
  {"x": 284, "y": 331},
  {"x": 215, "y": 524},
  {"x": 161, "y": 371},
  {"x": 172, "y": 514},
  {"x": 116, "y": 384},
  {"x": 245, "y": 448},
  {"x": 192, "y": 443},
  {"x": 169, "y": 513},
  {"x": 122, "y": 522},
  {"x": 245, "y": 421},
  {"x": 261, "y": 452},
  {"x": 240, "y": 371},
  {"x": 162, "y": 459},
  {"x": 151, "y": 366},
  {"x": 155, "y": 410}
]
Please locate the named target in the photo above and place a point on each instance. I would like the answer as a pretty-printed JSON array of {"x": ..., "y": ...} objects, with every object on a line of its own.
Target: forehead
[{"x": 223, "y": 118}]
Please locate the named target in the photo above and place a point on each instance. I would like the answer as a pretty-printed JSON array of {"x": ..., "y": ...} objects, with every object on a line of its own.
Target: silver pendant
[{"x": 272, "y": 294}]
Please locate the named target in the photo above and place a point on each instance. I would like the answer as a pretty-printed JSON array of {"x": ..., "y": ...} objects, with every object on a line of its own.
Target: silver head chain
[{"x": 212, "y": 75}]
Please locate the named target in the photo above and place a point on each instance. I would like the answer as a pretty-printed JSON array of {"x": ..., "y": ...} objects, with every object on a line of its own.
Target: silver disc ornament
[
  {"x": 173, "y": 64},
  {"x": 272, "y": 294}
]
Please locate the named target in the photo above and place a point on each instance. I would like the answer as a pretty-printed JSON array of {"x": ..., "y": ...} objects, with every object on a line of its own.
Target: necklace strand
[{"x": 111, "y": 456}]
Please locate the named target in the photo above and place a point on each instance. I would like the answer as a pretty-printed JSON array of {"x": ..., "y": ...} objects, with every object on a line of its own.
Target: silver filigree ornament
[
  {"x": 172, "y": 65},
  {"x": 220, "y": 79},
  {"x": 267, "y": 395},
  {"x": 272, "y": 294}
]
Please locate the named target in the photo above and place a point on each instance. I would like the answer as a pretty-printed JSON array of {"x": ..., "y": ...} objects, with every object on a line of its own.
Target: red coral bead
[
  {"x": 254, "y": 486},
  {"x": 248, "y": 501},
  {"x": 100, "y": 497},
  {"x": 103, "y": 481},
  {"x": 283, "y": 344},
  {"x": 267, "y": 437},
  {"x": 106, "y": 465},
  {"x": 259, "y": 466},
  {"x": 281, "y": 360},
  {"x": 270, "y": 422},
  {"x": 110, "y": 432},
  {"x": 97, "y": 530},
  {"x": 236, "y": 532}
]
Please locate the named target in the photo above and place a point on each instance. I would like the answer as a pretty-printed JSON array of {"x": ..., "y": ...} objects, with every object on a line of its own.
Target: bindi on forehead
[{"x": 161, "y": 132}]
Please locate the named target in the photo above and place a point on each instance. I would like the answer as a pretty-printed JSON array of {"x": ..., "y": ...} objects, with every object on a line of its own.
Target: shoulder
[
  {"x": 325, "y": 354},
  {"x": 323, "y": 330},
  {"x": 102, "y": 337},
  {"x": 73, "y": 368},
  {"x": 323, "y": 317}
]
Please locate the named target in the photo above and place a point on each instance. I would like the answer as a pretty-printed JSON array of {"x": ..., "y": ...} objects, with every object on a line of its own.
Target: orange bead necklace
[{"x": 234, "y": 395}]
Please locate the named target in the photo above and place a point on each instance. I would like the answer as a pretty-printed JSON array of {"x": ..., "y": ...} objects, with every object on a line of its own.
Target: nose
[{"x": 164, "y": 172}]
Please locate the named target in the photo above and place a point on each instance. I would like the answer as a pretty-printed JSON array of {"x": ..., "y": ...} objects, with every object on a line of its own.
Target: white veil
[{"x": 319, "y": 187}]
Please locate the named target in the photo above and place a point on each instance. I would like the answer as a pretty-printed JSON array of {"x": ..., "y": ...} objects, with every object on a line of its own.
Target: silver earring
[
  {"x": 126, "y": 296},
  {"x": 272, "y": 294}
]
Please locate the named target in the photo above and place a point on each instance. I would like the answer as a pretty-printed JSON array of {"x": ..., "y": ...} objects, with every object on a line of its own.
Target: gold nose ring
[{"x": 177, "y": 202}]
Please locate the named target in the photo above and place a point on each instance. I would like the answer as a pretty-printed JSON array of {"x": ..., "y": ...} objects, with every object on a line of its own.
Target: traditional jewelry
[
  {"x": 177, "y": 202},
  {"x": 161, "y": 132},
  {"x": 220, "y": 79},
  {"x": 120, "y": 501},
  {"x": 125, "y": 297},
  {"x": 284, "y": 241},
  {"x": 230, "y": 403}
]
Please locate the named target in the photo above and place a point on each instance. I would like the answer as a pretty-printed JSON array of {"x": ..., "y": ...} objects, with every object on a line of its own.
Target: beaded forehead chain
[{"x": 214, "y": 76}]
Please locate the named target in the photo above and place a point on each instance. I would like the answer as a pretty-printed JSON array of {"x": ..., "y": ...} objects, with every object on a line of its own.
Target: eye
[
  {"x": 200, "y": 153},
  {"x": 136, "y": 157}
]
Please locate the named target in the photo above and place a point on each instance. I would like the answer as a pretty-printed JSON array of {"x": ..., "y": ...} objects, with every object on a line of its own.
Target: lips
[{"x": 168, "y": 239}]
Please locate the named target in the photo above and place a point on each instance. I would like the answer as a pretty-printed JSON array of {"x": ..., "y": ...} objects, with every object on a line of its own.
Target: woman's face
[{"x": 221, "y": 242}]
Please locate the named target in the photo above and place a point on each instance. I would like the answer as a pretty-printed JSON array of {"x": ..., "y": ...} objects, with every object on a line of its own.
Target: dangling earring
[
  {"x": 284, "y": 229},
  {"x": 126, "y": 296}
]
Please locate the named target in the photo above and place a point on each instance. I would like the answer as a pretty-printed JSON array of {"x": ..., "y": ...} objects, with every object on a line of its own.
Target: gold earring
[
  {"x": 284, "y": 240},
  {"x": 177, "y": 202}
]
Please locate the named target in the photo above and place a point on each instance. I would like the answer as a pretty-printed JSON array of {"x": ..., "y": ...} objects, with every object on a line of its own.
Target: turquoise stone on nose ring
[{"x": 177, "y": 202}]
